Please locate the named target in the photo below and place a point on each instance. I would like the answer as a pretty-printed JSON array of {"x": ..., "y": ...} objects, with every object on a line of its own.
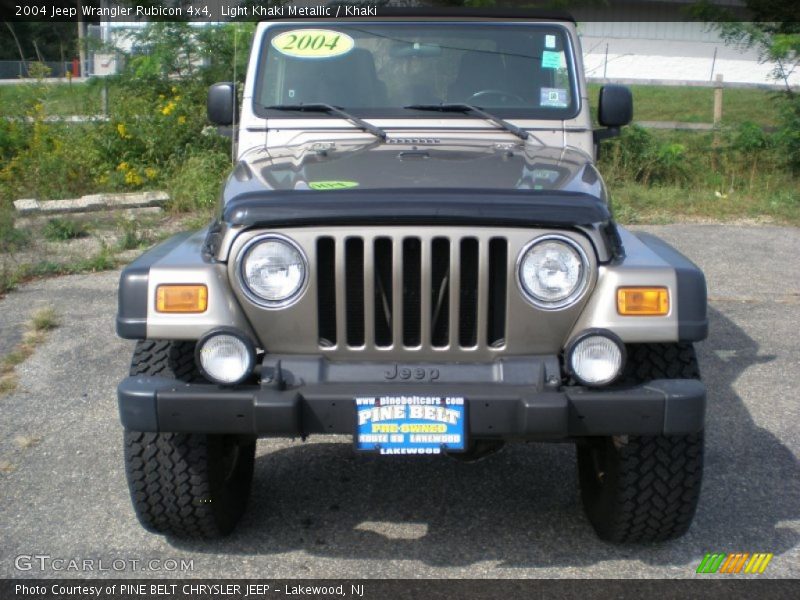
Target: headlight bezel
[
  {"x": 252, "y": 295},
  {"x": 582, "y": 336},
  {"x": 232, "y": 332},
  {"x": 576, "y": 294}
]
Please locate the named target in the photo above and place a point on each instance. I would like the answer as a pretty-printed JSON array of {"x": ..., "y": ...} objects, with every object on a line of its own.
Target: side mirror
[
  {"x": 221, "y": 106},
  {"x": 616, "y": 106}
]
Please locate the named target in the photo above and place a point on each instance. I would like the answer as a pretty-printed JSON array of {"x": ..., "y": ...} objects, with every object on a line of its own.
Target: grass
[
  {"x": 638, "y": 204},
  {"x": 11, "y": 239},
  {"x": 198, "y": 219},
  {"x": 651, "y": 103},
  {"x": 61, "y": 230},
  {"x": 132, "y": 236},
  {"x": 103, "y": 260},
  {"x": 42, "y": 321},
  {"x": 696, "y": 104},
  {"x": 657, "y": 176}
]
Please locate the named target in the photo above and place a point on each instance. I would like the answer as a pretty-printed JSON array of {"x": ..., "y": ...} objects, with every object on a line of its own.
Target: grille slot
[
  {"x": 440, "y": 292},
  {"x": 412, "y": 285},
  {"x": 496, "y": 318},
  {"x": 383, "y": 292},
  {"x": 468, "y": 297},
  {"x": 354, "y": 291},
  {"x": 326, "y": 285},
  {"x": 409, "y": 293}
]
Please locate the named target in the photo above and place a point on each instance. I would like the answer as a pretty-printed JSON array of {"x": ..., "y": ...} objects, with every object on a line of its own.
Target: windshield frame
[{"x": 396, "y": 113}]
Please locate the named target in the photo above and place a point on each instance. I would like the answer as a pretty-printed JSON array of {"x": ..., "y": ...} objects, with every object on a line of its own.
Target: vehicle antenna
[{"x": 235, "y": 93}]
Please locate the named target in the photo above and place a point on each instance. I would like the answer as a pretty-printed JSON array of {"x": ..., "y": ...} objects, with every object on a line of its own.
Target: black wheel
[
  {"x": 187, "y": 485},
  {"x": 644, "y": 488}
]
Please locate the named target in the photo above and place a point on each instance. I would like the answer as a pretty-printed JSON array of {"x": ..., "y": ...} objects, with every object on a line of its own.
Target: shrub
[
  {"x": 156, "y": 130},
  {"x": 195, "y": 183},
  {"x": 670, "y": 164},
  {"x": 13, "y": 138},
  {"x": 638, "y": 156},
  {"x": 44, "y": 319},
  {"x": 748, "y": 138},
  {"x": 11, "y": 238},
  {"x": 789, "y": 133},
  {"x": 59, "y": 230},
  {"x": 57, "y": 160},
  {"x": 132, "y": 236}
]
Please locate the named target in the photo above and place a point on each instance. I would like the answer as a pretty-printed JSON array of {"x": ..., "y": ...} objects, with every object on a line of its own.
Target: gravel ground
[{"x": 319, "y": 511}]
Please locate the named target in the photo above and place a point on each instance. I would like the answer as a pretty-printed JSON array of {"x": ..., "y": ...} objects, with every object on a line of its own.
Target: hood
[{"x": 414, "y": 164}]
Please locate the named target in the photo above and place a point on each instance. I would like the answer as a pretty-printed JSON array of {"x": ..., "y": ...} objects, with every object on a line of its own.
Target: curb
[{"x": 90, "y": 203}]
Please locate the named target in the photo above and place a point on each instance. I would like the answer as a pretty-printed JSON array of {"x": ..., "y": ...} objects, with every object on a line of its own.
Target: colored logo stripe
[
  {"x": 735, "y": 562},
  {"x": 710, "y": 563},
  {"x": 758, "y": 563}
]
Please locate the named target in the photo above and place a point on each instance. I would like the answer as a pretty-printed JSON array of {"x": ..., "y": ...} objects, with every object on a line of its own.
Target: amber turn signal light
[
  {"x": 643, "y": 301},
  {"x": 181, "y": 298}
]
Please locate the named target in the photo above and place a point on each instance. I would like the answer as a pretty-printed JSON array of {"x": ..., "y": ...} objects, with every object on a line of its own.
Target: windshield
[{"x": 517, "y": 71}]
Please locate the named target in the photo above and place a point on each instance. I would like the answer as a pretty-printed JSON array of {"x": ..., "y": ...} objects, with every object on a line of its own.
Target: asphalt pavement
[{"x": 318, "y": 510}]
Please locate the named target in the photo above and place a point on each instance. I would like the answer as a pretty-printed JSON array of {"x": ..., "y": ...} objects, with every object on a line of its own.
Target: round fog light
[
  {"x": 596, "y": 358},
  {"x": 225, "y": 357}
]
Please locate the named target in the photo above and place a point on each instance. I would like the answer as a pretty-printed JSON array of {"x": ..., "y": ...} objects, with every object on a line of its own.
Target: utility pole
[{"x": 81, "y": 40}]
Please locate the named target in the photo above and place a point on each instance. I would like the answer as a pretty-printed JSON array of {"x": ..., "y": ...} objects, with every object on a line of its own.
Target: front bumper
[{"x": 524, "y": 412}]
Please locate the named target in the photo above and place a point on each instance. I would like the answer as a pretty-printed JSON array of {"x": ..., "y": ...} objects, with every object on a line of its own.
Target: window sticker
[
  {"x": 332, "y": 185},
  {"x": 545, "y": 174},
  {"x": 551, "y": 60},
  {"x": 313, "y": 43},
  {"x": 555, "y": 97},
  {"x": 549, "y": 41}
]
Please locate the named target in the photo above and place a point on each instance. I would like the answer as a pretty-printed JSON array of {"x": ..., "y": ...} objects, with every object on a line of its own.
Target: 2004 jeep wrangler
[{"x": 415, "y": 248}]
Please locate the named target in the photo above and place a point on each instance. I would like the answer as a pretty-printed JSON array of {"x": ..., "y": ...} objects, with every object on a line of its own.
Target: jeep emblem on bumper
[{"x": 406, "y": 373}]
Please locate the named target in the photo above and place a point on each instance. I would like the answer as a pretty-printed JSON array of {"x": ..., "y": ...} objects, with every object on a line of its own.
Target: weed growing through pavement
[{"x": 41, "y": 322}]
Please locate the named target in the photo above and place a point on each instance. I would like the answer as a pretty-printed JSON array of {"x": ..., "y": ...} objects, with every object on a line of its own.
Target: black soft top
[{"x": 445, "y": 13}]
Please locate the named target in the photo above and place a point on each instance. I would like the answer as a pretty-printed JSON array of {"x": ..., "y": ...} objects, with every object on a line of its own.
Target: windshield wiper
[
  {"x": 334, "y": 110},
  {"x": 469, "y": 108}
]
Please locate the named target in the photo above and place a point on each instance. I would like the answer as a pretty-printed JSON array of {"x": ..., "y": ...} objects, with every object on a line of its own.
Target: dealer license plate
[{"x": 410, "y": 424}]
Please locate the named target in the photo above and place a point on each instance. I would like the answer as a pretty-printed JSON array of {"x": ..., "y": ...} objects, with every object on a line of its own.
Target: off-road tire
[
  {"x": 185, "y": 485},
  {"x": 644, "y": 488}
]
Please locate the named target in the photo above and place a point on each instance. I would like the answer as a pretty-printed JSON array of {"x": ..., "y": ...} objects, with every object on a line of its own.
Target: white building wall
[{"x": 663, "y": 49}]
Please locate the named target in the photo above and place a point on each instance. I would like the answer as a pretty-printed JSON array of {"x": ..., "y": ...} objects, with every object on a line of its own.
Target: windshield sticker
[
  {"x": 332, "y": 185},
  {"x": 556, "y": 97},
  {"x": 549, "y": 41},
  {"x": 551, "y": 60},
  {"x": 313, "y": 43},
  {"x": 546, "y": 174}
]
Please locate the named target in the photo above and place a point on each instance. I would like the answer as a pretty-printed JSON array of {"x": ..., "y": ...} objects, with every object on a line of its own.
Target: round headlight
[
  {"x": 596, "y": 358},
  {"x": 225, "y": 357},
  {"x": 553, "y": 272},
  {"x": 272, "y": 271}
]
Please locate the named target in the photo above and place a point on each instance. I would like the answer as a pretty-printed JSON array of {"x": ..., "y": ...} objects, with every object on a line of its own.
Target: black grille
[
  {"x": 496, "y": 324},
  {"x": 383, "y": 292},
  {"x": 412, "y": 292},
  {"x": 354, "y": 290},
  {"x": 412, "y": 286},
  {"x": 326, "y": 285},
  {"x": 468, "y": 309},
  {"x": 440, "y": 292}
]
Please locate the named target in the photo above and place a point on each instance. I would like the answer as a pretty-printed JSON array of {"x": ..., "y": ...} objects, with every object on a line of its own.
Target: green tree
[
  {"x": 38, "y": 41},
  {"x": 773, "y": 29}
]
